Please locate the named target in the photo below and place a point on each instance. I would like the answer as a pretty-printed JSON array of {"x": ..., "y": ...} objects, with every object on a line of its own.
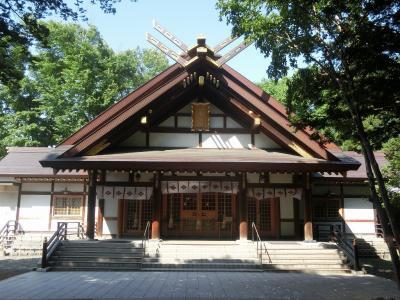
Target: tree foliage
[
  {"x": 276, "y": 88},
  {"x": 68, "y": 82},
  {"x": 20, "y": 29},
  {"x": 350, "y": 84}
]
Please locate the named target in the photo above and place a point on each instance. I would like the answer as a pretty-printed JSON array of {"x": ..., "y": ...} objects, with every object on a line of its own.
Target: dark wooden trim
[
  {"x": 278, "y": 216},
  {"x": 51, "y": 205},
  {"x": 225, "y": 121},
  {"x": 337, "y": 196},
  {"x": 175, "y": 121},
  {"x": 17, "y": 211},
  {"x": 90, "y": 218},
  {"x": 147, "y": 139},
  {"x": 111, "y": 218},
  {"x": 189, "y": 114},
  {"x": 200, "y": 139},
  {"x": 330, "y": 183},
  {"x": 120, "y": 225},
  {"x": 360, "y": 220},
  {"x": 210, "y": 130},
  {"x": 253, "y": 140},
  {"x": 35, "y": 193},
  {"x": 287, "y": 220}
]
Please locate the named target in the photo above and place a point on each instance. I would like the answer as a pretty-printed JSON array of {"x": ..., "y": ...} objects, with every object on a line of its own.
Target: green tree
[
  {"x": 69, "y": 81},
  {"x": 276, "y": 88},
  {"x": 392, "y": 172},
  {"x": 351, "y": 49},
  {"x": 20, "y": 29}
]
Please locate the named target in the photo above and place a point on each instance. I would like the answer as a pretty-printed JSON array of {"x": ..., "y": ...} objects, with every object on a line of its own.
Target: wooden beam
[{"x": 90, "y": 221}]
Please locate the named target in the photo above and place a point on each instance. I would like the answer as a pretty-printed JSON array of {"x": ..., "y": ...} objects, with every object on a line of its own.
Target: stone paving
[
  {"x": 190, "y": 285},
  {"x": 14, "y": 265}
]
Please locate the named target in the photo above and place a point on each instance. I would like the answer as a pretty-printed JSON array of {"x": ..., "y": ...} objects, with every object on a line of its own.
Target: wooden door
[
  {"x": 264, "y": 213},
  {"x": 205, "y": 215},
  {"x": 136, "y": 214}
]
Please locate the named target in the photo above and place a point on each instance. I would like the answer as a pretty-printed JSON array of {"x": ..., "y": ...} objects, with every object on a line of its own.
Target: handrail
[
  {"x": 146, "y": 237},
  {"x": 260, "y": 244},
  {"x": 10, "y": 227},
  {"x": 350, "y": 248},
  {"x": 61, "y": 234}
]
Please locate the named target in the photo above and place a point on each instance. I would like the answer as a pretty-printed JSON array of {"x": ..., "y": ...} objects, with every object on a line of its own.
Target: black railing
[
  {"x": 350, "y": 248},
  {"x": 146, "y": 237},
  {"x": 63, "y": 231},
  {"x": 261, "y": 248}
]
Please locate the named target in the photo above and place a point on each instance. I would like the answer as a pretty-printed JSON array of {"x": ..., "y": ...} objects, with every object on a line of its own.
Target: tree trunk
[
  {"x": 387, "y": 232},
  {"x": 370, "y": 159}
]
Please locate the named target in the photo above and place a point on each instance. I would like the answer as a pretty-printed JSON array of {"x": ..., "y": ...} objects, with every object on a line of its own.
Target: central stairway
[
  {"x": 185, "y": 255},
  {"x": 201, "y": 256}
]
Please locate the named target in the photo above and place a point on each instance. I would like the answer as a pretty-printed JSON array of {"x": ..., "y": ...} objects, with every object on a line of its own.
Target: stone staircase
[
  {"x": 318, "y": 258},
  {"x": 201, "y": 256},
  {"x": 25, "y": 245},
  {"x": 107, "y": 255},
  {"x": 184, "y": 255}
]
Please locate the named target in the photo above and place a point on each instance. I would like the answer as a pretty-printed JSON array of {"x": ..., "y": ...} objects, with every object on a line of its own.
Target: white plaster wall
[
  {"x": 117, "y": 176},
  {"x": 138, "y": 139},
  {"x": 8, "y": 203},
  {"x": 36, "y": 187},
  {"x": 230, "y": 123},
  {"x": 286, "y": 207},
  {"x": 169, "y": 122},
  {"x": 71, "y": 187},
  {"x": 110, "y": 227},
  {"x": 185, "y": 122},
  {"x": 34, "y": 212},
  {"x": 280, "y": 178},
  {"x": 216, "y": 122},
  {"x": 359, "y": 215},
  {"x": 226, "y": 141},
  {"x": 111, "y": 207},
  {"x": 287, "y": 229},
  {"x": 174, "y": 140},
  {"x": 186, "y": 109},
  {"x": 253, "y": 177},
  {"x": 264, "y": 142},
  {"x": 215, "y": 110}
]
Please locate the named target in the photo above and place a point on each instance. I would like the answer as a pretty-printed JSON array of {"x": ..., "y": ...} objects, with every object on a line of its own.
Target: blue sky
[{"x": 187, "y": 19}]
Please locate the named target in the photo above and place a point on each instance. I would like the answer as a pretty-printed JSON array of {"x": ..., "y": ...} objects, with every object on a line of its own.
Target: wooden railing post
[
  {"x": 356, "y": 259},
  {"x": 44, "y": 254}
]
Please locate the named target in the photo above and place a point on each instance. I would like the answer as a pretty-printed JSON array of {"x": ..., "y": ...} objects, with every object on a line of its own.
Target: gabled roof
[{"x": 239, "y": 93}]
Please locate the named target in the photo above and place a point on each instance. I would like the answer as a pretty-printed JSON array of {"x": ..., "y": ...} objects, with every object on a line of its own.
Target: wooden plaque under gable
[{"x": 201, "y": 116}]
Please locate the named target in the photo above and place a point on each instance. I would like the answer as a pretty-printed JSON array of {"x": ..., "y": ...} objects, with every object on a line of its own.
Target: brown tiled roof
[
  {"x": 24, "y": 161},
  {"x": 361, "y": 173},
  {"x": 203, "y": 160}
]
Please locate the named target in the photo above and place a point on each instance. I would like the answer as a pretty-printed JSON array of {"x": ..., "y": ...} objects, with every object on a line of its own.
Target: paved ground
[
  {"x": 14, "y": 265},
  {"x": 174, "y": 285}
]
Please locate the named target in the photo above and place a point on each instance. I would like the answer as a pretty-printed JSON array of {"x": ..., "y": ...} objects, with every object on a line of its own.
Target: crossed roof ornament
[{"x": 200, "y": 51}]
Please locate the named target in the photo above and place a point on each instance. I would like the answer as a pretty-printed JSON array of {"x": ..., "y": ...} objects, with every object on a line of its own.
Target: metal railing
[
  {"x": 61, "y": 234},
  {"x": 8, "y": 232},
  {"x": 146, "y": 237},
  {"x": 261, "y": 248},
  {"x": 350, "y": 248}
]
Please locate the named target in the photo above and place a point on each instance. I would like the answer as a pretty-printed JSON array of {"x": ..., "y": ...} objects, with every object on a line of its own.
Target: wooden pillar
[
  {"x": 91, "y": 205},
  {"x": 18, "y": 202},
  {"x": 157, "y": 199},
  {"x": 242, "y": 195},
  {"x": 308, "y": 225}
]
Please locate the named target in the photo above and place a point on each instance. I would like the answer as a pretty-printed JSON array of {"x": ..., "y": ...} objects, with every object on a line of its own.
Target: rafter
[
  {"x": 169, "y": 35},
  {"x": 167, "y": 51}
]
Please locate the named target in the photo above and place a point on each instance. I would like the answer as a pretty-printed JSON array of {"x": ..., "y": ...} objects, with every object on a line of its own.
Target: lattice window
[
  {"x": 67, "y": 205},
  {"x": 189, "y": 202},
  {"x": 265, "y": 215},
  {"x": 324, "y": 209},
  {"x": 251, "y": 211},
  {"x": 138, "y": 213},
  {"x": 208, "y": 201}
]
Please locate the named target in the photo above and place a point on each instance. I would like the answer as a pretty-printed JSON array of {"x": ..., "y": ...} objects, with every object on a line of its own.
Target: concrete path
[{"x": 175, "y": 285}]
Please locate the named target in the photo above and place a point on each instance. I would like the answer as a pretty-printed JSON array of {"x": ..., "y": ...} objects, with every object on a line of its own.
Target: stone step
[
  {"x": 194, "y": 260},
  {"x": 97, "y": 264},
  {"x": 99, "y": 244},
  {"x": 320, "y": 271},
  {"x": 302, "y": 256},
  {"x": 209, "y": 266},
  {"x": 99, "y": 250},
  {"x": 94, "y": 269},
  {"x": 307, "y": 261},
  {"x": 289, "y": 266},
  {"x": 97, "y": 254},
  {"x": 121, "y": 259}
]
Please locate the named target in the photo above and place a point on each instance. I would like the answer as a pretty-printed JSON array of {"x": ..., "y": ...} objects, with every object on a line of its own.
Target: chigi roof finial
[{"x": 199, "y": 51}]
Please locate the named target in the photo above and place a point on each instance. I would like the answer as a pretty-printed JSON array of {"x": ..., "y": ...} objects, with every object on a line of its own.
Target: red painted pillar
[
  {"x": 242, "y": 195},
  {"x": 308, "y": 225},
  {"x": 157, "y": 199}
]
